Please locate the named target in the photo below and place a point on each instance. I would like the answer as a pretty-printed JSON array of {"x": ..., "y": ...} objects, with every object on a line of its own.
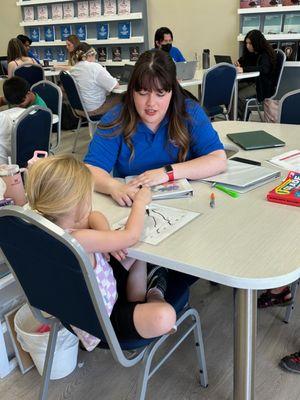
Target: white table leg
[{"x": 245, "y": 326}]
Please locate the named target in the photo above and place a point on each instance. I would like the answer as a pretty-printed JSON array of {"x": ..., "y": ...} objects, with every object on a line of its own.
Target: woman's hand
[
  {"x": 150, "y": 178},
  {"x": 239, "y": 70},
  {"x": 143, "y": 195},
  {"x": 237, "y": 64},
  {"x": 123, "y": 193}
]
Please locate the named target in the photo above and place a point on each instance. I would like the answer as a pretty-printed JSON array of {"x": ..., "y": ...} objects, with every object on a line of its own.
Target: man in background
[{"x": 163, "y": 39}]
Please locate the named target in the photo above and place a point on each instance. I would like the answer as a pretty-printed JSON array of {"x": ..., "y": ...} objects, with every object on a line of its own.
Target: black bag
[{"x": 68, "y": 119}]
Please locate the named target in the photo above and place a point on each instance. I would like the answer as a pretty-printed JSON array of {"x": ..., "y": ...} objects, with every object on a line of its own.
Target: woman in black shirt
[{"x": 258, "y": 55}]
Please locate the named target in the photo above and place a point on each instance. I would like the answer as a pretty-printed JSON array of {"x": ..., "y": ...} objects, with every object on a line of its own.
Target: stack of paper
[{"x": 289, "y": 160}]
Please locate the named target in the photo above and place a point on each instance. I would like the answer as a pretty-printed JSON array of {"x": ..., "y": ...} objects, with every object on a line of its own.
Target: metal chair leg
[
  {"x": 49, "y": 361},
  {"x": 290, "y": 308},
  {"x": 200, "y": 350},
  {"x": 76, "y": 135}
]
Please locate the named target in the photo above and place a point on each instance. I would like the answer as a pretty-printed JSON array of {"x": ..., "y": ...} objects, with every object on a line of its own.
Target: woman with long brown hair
[
  {"x": 16, "y": 56},
  {"x": 157, "y": 133},
  {"x": 72, "y": 42}
]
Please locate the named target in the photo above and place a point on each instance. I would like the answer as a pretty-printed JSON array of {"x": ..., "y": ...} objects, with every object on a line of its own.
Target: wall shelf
[
  {"x": 278, "y": 36},
  {"x": 264, "y": 10},
  {"x": 113, "y": 40},
  {"x": 34, "y": 2}
]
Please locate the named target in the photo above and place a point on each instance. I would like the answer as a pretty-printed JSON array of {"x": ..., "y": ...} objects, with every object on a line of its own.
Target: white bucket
[{"x": 66, "y": 350}]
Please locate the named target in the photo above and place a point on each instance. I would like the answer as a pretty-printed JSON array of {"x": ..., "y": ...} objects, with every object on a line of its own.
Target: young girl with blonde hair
[{"x": 60, "y": 188}]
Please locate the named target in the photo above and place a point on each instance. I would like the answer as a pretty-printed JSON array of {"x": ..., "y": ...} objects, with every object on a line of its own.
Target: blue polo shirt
[
  {"x": 151, "y": 150},
  {"x": 176, "y": 54}
]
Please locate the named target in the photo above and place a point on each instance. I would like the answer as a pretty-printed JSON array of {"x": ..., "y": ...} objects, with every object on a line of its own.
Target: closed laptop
[
  {"x": 185, "y": 70},
  {"x": 223, "y": 59},
  {"x": 255, "y": 140}
]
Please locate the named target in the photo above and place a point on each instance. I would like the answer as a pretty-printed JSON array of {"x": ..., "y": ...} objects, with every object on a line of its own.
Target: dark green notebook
[{"x": 255, "y": 140}]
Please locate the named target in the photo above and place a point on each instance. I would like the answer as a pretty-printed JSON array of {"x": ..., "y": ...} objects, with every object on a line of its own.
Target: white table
[
  {"x": 197, "y": 81},
  {"x": 242, "y": 243}
]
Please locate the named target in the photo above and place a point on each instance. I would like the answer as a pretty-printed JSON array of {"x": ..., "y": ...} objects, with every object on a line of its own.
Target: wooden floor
[{"x": 98, "y": 376}]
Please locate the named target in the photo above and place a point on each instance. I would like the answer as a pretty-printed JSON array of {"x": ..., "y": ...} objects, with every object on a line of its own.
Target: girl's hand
[
  {"x": 237, "y": 64},
  {"x": 150, "y": 178},
  {"x": 120, "y": 255},
  {"x": 123, "y": 194},
  {"x": 239, "y": 70},
  {"x": 143, "y": 195}
]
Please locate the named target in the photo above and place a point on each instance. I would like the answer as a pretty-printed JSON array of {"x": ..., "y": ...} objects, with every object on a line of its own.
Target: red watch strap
[{"x": 170, "y": 175}]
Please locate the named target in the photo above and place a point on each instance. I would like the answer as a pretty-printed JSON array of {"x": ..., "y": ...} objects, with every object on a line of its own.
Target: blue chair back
[
  {"x": 32, "y": 131},
  {"x": 71, "y": 90},
  {"x": 217, "y": 87},
  {"x": 289, "y": 107},
  {"x": 32, "y": 73}
]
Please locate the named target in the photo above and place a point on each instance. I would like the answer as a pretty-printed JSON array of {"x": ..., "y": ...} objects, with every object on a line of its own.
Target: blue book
[
  {"x": 102, "y": 31},
  {"x": 81, "y": 32},
  {"x": 34, "y": 34},
  {"x": 61, "y": 54},
  {"x": 65, "y": 31},
  {"x": 48, "y": 54},
  {"x": 35, "y": 53},
  {"x": 49, "y": 33},
  {"x": 124, "y": 30}
]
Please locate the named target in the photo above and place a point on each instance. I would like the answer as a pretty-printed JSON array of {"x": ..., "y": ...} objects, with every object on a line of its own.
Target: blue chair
[
  {"x": 217, "y": 89},
  {"x": 32, "y": 73},
  {"x": 77, "y": 105},
  {"x": 289, "y": 106},
  {"x": 52, "y": 96},
  {"x": 3, "y": 68},
  {"x": 57, "y": 277},
  {"x": 32, "y": 131},
  {"x": 253, "y": 103}
]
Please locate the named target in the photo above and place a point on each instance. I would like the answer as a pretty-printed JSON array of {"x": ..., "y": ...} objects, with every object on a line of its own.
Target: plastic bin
[{"x": 66, "y": 351}]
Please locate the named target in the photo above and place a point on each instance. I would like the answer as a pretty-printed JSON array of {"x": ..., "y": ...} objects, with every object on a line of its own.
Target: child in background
[
  {"x": 60, "y": 188},
  {"x": 17, "y": 92}
]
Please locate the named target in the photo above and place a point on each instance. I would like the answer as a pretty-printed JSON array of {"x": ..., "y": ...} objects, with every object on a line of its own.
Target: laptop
[
  {"x": 255, "y": 140},
  {"x": 185, "y": 70},
  {"x": 223, "y": 59},
  {"x": 126, "y": 74}
]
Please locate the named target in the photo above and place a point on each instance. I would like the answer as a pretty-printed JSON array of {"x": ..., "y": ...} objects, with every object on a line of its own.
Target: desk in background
[{"x": 245, "y": 243}]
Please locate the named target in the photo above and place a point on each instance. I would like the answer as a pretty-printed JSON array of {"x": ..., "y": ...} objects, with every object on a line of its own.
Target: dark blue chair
[
  {"x": 289, "y": 108},
  {"x": 77, "y": 105},
  {"x": 52, "y": 96},
  {"x": 217, "y": 89},
  {"x": 32, "y": 131},
  {"x": 252, "y": 103},
  {"x": 32, "y": 73},
  {"x": 57, "y": 277}
]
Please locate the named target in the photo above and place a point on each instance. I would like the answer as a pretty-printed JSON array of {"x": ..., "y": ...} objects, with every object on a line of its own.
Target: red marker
[{"x": 212, "y": 201}]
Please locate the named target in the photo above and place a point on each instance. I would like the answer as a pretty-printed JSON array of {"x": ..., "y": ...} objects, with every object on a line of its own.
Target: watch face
[{"x": 168, "y": 168}]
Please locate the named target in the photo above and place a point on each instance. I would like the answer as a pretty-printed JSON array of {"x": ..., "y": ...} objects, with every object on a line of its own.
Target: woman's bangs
[{"x": 152, "y": 80}]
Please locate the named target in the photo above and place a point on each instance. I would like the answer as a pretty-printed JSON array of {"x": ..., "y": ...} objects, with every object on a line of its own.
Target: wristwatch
[{"x": 170, "y": 172}]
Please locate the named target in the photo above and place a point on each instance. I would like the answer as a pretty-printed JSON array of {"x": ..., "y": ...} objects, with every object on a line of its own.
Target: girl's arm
[
  {"x": 10, "y": 69},
  {"x": 98, "y": 221},
  {"x": 106, "y": 241},
  {"x": 122, "y": 193}
]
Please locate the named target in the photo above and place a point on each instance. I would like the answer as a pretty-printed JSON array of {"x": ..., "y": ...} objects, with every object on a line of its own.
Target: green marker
[{"x": 230, "y": 192}]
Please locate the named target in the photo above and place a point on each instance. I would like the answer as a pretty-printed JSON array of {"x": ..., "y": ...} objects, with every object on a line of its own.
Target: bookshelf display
[
  {"x": 280, "y": 25},
  {"x": 125, "y": 21}
]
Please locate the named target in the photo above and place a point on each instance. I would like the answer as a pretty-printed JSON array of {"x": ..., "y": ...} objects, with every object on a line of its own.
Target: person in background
[
  {"x": 17, "y": 92},
  {"x": 27, "y": 43},
  {"x": 16, "y": 56},
  {"x": 163, "y": 40},
  {"x": 93, "y": 80},
  {"x": 72, "y": 42},
  {"x": 60, "y": 188},
  {"x": 157, "y": 133},
  {"x": 258, "y": 55}
]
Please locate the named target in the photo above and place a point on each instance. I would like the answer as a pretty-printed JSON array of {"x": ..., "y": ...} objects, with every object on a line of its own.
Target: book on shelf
[
  {"x": 83, "y": 9},
  {"x": 81, "y": 32},
  {"x": 57, "y": 11},
  {"x": 123, "y": 7},
  {"x": 272, "y": 24},
  {"x": 290, "y": 49},
  {"x": 61, "y": 54},
  {"x": 35, "y": 52},
  {"x": 169, "y": 190},
  {"x": 124, "y": 30},
  {"x": 249, "y": 23},
  {"x": 48, "y": 54},
  {"x": 65, "y": 31},
  {"x": 289, "y": 160},
  {"x": 243, "y": 177},
  {"x": 28, "y": 13},
  {"x": 291, "y": 23},
  {"x": 287, "y": 192},
  {"x": 270, "y": 3},
  {"x": 102, "y": 54},
  {"x": 42, "y": 12},
  {"x": 68, "y": 10},
  {"x": 95, "y": 8},
  {"x": 49, "y": 33},
  {"x": 34, "y": 34},
  {"x": 274, "y": 45},
  {"x": 109, "y": 7},
  {"x": 134, "y": 53},
  {"x": 290, "y": 2},
  {"x": 116, "y": 53},
  {"x": 102, "y": 30},
  {"x": 249, "y": 3}
]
